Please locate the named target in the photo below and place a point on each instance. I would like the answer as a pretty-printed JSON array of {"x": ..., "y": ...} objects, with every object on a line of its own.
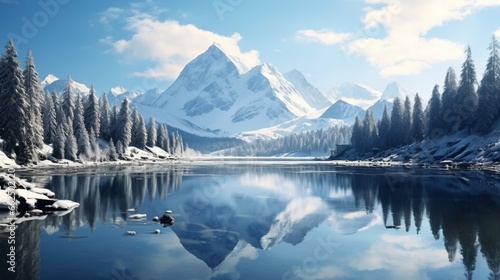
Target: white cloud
[
  {"x": 497, "y": 34},
  {"x": 110, "y": 14},
  {"x": 322, "y": 36},
  {"x": 171, "y": 45},
  {"x": 397, "y": 42},
  {"x": 395, "y": 55},
  {"x": 403, "y": 256}
]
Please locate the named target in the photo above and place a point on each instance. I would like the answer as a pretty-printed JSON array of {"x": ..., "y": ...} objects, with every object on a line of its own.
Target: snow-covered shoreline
[
  {"x": 457, "y": 151},
  {"x": 21, "y": 201}
]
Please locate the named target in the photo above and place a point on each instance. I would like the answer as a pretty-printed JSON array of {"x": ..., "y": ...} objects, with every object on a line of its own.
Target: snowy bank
[
  {"x": 459, "y": 150},
  {"x": 21, "y": 201}
]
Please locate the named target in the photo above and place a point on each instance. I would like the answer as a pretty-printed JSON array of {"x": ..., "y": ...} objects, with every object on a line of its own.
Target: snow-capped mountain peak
[
  {"x": 117, "y": 90},
  {"x": 394, "y": 90},
  {"x": 355, "y": 94},
  {"x": 60, "y": 85},
  {"x": 343, "y": 110},
  {"x": 49, "y": 80},
  {"x": 215, "y": 94},
  {"x": 310, "y": 93},
  {"x": 239, "y": 63},
  {"x": 391, "y": 91}
]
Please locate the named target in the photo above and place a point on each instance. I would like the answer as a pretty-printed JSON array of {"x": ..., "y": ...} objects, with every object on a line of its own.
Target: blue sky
[{"x": 140, "y": 45}]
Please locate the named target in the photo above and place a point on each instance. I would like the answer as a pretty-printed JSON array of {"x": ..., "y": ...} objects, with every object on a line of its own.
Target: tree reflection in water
[{"x": 463, "y": 213}]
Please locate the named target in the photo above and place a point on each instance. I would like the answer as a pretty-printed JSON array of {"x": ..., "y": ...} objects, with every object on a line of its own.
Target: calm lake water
[{"x": 277, "y": 220}]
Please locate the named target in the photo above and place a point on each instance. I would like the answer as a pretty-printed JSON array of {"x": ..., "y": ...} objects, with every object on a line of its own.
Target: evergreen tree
[
  {"x": 466, "y": 100},
  {"x": 449, "y": 116},
  {"x": 434, "y": 115},
  {"x": 124, "y": 124},
  {"x": 151, "y": 132},
  {"x": 113, "y": 156},
  {"x": 489, "y": 91},
  {"x": 35, "y": 98},
  {"x": 178, "y": 147},
  {"x": 397, "y": 131},
  {"x": 120, "y": 149},
  {"x": 140, "y": 136},
  {"x": 369, "y": 132},
  {"x": 357, "y": 135},
  {"x": 418, "y": 120},
  {"x": 60, "y": 116},
  {"x": 70, "y": 145},
  {"x": 15, "y": 116},
  {"x": 163, "y": 141},
  {"x": 68, "y": 101},
  {"x": 134, "y": 115},
  {"x": 58, "y": 142},
  {"x": 384, "y": 130},
  {"x": 105, "y": 122},
  {"x": 49, "y": 117},
  {"x": 407, "y": 121},
  {"x": 92, "y": 113},
  {"x": 94, "y": 145},
  {"x": 80, "y": 132}
]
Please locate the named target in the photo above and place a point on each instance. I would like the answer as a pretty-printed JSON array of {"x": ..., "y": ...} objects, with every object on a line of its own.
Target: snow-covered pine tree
[
  {"x": 397, "y": 131},
  {"x": 120, "y": 149},
  {"x": 140, "y": 136},
  {"x": 35, "y": 98},
  {"x": 94, "y": 145},
  {"x": 418, "y": 127},
  {"x": 105, "y": 118},
  {"x": 113, "y": 122},
  {"x": 466, "y": 99},
  {"x": 384, "y": 130},
  {"x": 56, "y": 100},
  {"x": 68, "y": 101},
  {"x": 84, "y": 150},
  {"x": 434, "y": 129},
  {"x": 134, "y": 115},
  {"x": 14, "y": 109},
  {"x": 49, "y": 117},
  {"x": 448, "y": 113},
  {"x": 112, "y": 154},
  {"x": 58, "y": 142},
  {"x": 92, "y": 113},
  {"x": 178, "y": 147},
  {"x": 163, "y": 141},
  {"x": 124, "y": 124},
  {"x": 151, "y": 132},
  {"x": 489, "y": 91},
  {"x": 70, "y": 145},
  {"x": 407, "y": 121}
]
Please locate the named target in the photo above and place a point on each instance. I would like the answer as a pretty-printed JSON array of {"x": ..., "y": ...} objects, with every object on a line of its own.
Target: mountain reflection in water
[{"x": 237, "y": 218}]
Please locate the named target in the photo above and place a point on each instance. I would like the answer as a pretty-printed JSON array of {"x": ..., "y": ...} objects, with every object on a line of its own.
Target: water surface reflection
[{"x": 275, "y": 221}]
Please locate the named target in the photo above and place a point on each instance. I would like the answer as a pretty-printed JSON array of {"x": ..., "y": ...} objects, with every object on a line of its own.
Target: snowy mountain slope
[
  {"x": 309, "y": 122},
  {"x": 355, "y": 94},
  {"x": 339, "y": 114},
  {"x": 53, "y": 84},
  {"x": 117, "y": 94},
  {"x": 149, "y": 97},
  {"x": 344, "y": 111},
  {"x": 215, "y": 94},
  {"x": 311, "y": 95}
]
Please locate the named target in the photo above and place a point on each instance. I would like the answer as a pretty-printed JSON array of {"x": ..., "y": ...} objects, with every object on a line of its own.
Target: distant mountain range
[{"x": 217, "y": 95}]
